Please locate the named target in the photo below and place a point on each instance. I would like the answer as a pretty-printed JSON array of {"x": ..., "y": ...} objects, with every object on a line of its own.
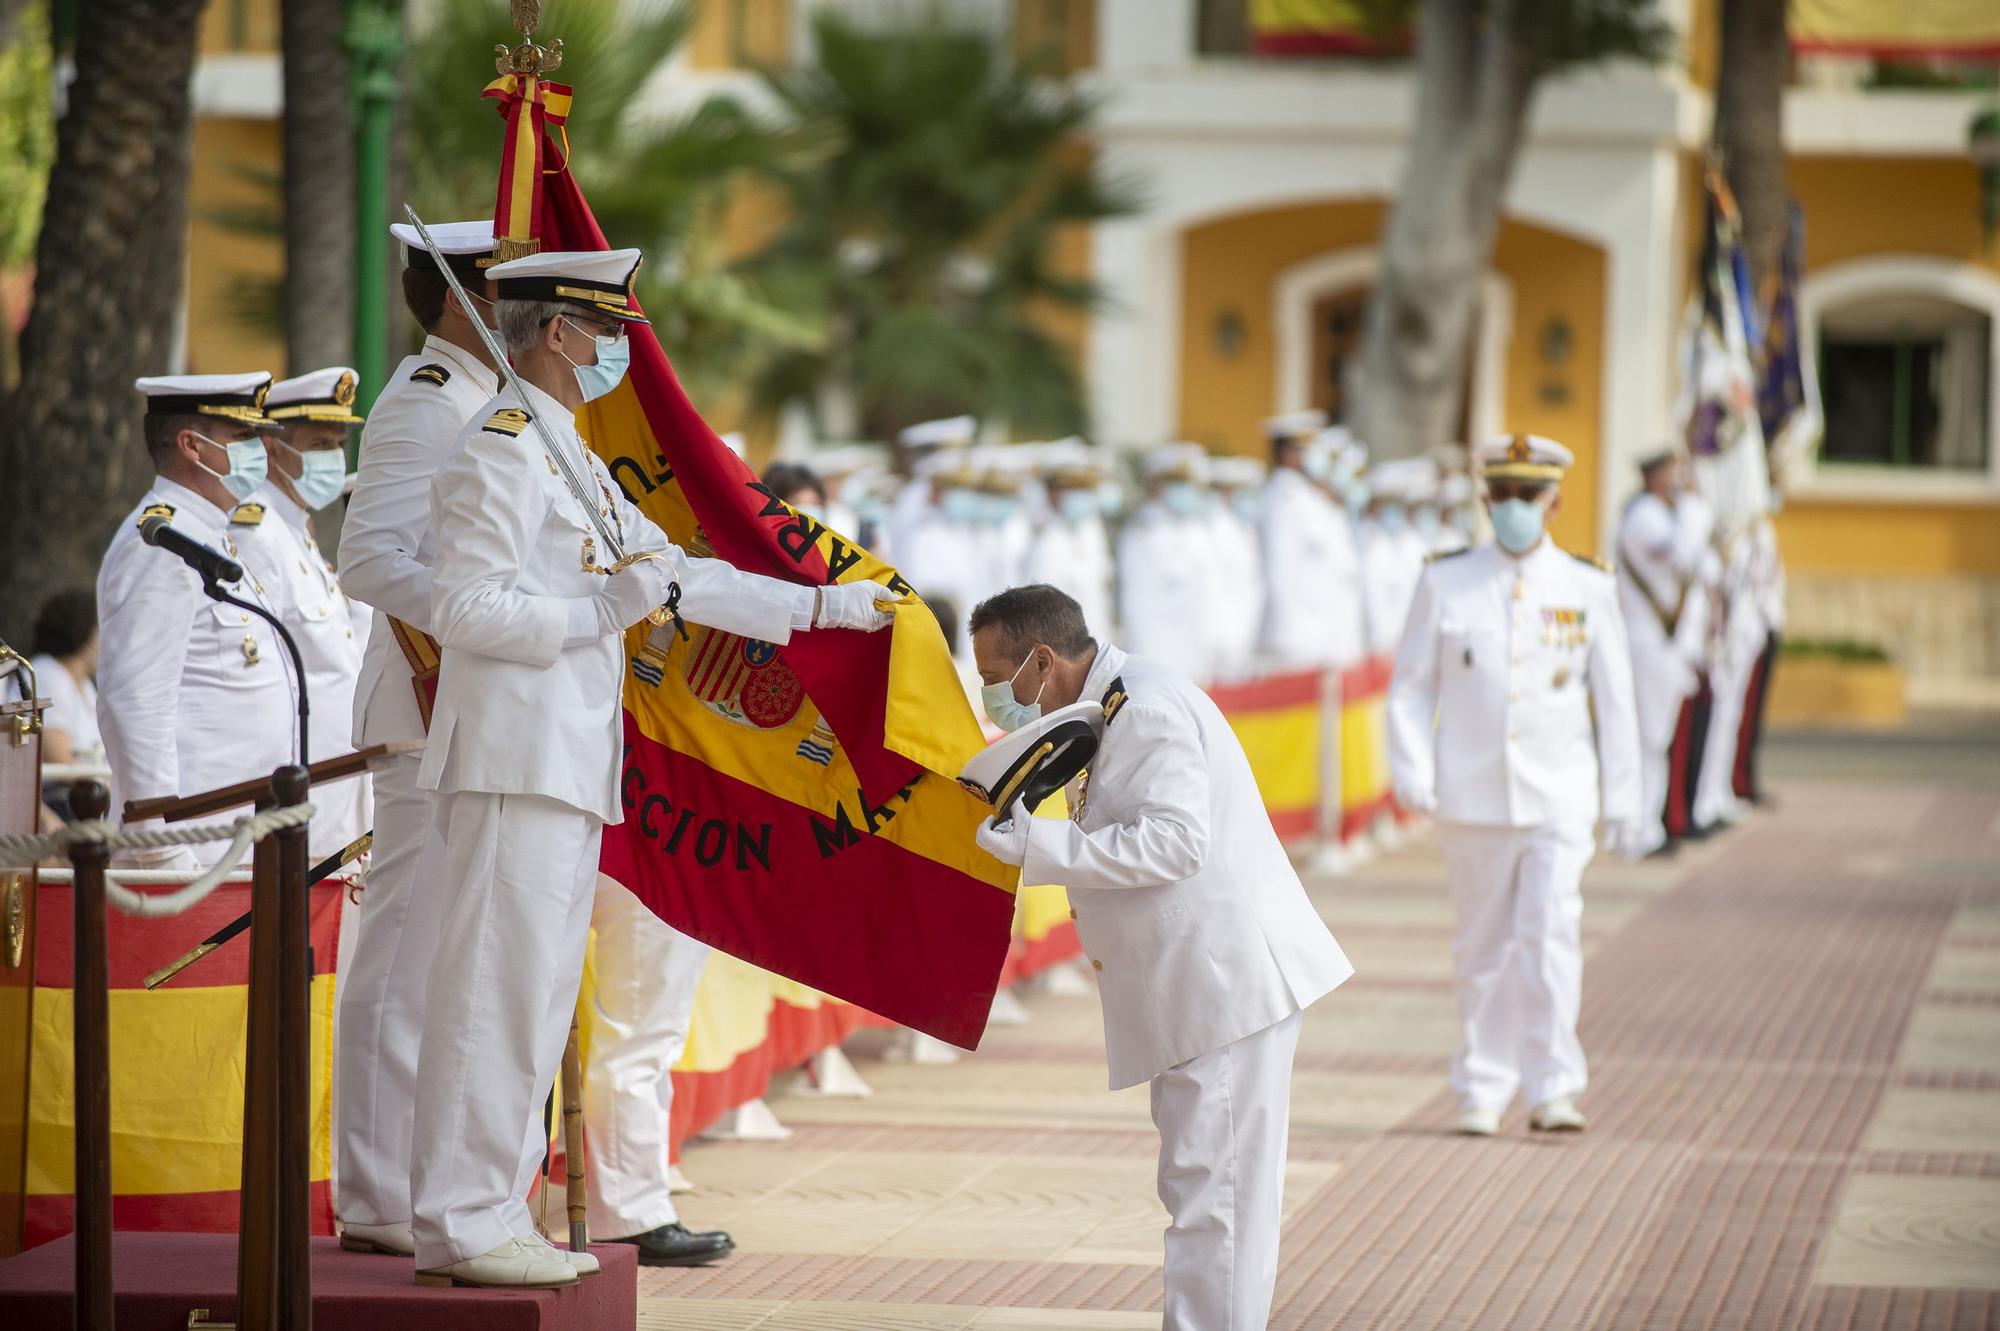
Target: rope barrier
[{"x": 26, "y": 850}]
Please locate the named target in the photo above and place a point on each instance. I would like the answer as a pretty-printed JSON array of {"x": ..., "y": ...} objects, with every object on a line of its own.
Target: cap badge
[{"x": 343, "y": 392}]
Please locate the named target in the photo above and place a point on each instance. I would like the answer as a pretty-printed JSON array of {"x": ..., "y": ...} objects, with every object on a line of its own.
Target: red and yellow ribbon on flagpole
[{"x": 530, "y": 105}]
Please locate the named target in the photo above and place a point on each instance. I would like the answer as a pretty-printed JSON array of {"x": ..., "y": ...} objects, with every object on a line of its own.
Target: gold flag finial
[{"x": 530, "y": 57}]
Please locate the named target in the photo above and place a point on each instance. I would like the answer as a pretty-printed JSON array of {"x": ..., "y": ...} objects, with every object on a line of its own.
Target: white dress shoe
[
  {"x": 512, "y": 1265},
  {"x": 584, "y": 1264},
  {"x": 1478, "y": 1123},
  {"x": 1558, "y": 1115},
  {"x": 394, "y": 1240}
]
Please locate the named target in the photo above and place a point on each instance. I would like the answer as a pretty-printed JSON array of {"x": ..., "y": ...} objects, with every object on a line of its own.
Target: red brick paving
[{"x": 1743, "y": 1026}]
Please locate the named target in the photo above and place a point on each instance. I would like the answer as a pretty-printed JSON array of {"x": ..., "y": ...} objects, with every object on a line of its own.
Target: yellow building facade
[{"x": 1235, "y": 294}]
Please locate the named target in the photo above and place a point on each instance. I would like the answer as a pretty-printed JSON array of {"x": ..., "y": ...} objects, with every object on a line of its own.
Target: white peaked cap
[
  {"x": 236, "y": 397},
  {"x": 1189, "y": 461},
  {"x": 951, "y": 430},
  {"x": 1411, "y": 480},
  {"x": 948, "y": 463},
  {"x": 596, "y": 280},
  {"x": 1235, "y": 470},
  {"x": 465, "y": 245},
  {"x": 1036, "y": 760},
  {"x": 324, "y": 395},
  {"x": 1295, "y": 424},
  {"x": 1528, "y": 457},
  {"x": 1455, "y": 490}
]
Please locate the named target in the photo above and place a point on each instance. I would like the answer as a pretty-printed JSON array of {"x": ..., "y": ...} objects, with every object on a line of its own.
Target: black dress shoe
[{"x": 676, "y": 1245}]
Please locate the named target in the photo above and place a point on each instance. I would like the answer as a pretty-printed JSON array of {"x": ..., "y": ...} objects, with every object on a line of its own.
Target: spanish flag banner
[
  {"x": 793, "y": 806},
  {"x": 1321, "y": 28},
  {"x": 176, "y": 1068}
]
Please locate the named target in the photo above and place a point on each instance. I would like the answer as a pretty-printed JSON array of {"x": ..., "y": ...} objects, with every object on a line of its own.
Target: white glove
[
  {"x": 1415, "y": 799},
  {"x": 1008, "y": 842},
  {"x": 1625, "y": 838},
  {"x": 630, "y": 595},
  {"x": 851, "y": 605}
]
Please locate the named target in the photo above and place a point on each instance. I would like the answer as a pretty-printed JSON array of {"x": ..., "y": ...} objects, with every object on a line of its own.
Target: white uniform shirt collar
[
  {"x": 466, "y": 362},
  {"x": 187, "y": 501},
  {"x": 294, "y": 514},
  {"x": 1110, "y": 660}
]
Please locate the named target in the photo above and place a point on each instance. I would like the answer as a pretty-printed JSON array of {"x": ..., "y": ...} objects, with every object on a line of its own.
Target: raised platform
[{"x": 160, "y": 1278}]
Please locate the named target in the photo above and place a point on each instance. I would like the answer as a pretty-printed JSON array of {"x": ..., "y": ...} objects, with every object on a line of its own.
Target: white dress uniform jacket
[
  {"x": 505, "y": 593},
  {"x": 1168, "y": 583},
  {"x": 1075, "y": 557},
  {"x": 277, "y": 542},
  {"x": 1512, "y": 657},
  {"x": 191, "y": 693},
  {"x": 1391, "y": 563},
  {"x": 385, "y": 541},
  {"x": 1238, "y": 612},
  {"x": 1312, "y": 609},
  {"x": 1189, "y": 908}
]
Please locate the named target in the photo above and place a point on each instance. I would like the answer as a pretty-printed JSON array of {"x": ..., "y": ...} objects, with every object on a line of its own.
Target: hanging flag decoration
[
  {"x": 1788, "y": 397},
  {"x": 1719, "y": 386}
]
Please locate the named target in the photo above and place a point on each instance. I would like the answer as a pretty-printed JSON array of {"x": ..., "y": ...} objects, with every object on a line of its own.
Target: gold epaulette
[
  {"x": 1601, "y": 565},
  {"x": 507, "y": 421},
  {"x": 1436, "y": 555},
  {"x": 155, "y": 511},
  {"x": 246, "y": 515},
  {"x": 1114, "y": 699},
  {"x": 430, "y": 374}
]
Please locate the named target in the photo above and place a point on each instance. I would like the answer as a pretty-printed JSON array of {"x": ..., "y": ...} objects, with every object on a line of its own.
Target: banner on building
[
  {"x": 1321, "y": 28},
  {"x": 1965, "y": 29}
]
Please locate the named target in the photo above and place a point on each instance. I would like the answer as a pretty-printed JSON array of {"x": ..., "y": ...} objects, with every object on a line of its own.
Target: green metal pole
[{"x": 374, "y": 42}]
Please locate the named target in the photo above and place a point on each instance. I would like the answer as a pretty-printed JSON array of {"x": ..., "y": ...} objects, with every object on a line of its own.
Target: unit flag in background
[{"x": 793, "y": 806}]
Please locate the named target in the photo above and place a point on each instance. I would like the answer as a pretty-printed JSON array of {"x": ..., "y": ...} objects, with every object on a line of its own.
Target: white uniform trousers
[
  {"x": 647, "y": 973},
  {"x": 381, "y": 1007},
  {"x": 1519, "y": 959},
  {"x": 1224, "y": 1121},
  {"x": 1715, "y": 784},
  {"x": 519, "y": 875}
]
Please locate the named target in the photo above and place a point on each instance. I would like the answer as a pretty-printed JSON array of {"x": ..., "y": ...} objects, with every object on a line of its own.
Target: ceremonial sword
[
  {"x": 557, "y": 457},
  {"x": 325, "y": 869}
]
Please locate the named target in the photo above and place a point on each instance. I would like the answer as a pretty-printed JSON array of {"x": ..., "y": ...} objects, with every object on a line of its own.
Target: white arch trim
[
  {"x": 1297, "y": 288},
  {"x": 1905, "y": 275}
]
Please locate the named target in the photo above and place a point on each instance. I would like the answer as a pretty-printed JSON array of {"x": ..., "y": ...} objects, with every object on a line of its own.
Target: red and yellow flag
[{"x": 793, "y": 806}]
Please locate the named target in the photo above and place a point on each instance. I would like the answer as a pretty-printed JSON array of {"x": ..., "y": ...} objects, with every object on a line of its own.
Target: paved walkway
[{"x": 1795, "y": 1042}]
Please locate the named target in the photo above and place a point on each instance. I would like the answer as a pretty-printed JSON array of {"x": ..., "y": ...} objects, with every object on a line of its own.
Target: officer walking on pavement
[
  {"x": 524, "y": 742},
  {"x": 1205, "y": 945},
  {"x": 1511, "y": 720},
  {"x": 191, "y": 693}
]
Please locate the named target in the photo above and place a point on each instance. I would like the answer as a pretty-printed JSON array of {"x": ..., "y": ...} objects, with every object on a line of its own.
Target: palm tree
[
  {"x": 659, "y": 183},
  {"x": 925, "y": 237}
]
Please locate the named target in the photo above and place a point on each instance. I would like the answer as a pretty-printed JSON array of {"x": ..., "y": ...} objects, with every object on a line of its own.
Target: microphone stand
[{"x": 216, "y": 593}]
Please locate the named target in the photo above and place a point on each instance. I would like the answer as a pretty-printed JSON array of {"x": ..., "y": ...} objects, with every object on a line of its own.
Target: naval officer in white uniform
[
  {"x": 1511, "y": 719},
  {"x": 1205, "y": 946},
  {"x": 524, "y": 743},
  {"x": 191, "y": 693},
  {"x": 386, "y": 552},
  {"x": 308, "y": 467}
]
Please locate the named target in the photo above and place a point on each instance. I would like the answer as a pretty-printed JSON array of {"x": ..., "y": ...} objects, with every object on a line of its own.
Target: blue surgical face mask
[
  {"x": 614, "y": 357},
  {"x": 1517, "y": 525},
  {"x": 1077, "y": 506},
  {"x": 999, "y": 509},
  {"x": 1003, "y": 709},
  {"x": 322, "y": 473},
  {"x": 1393, "y": 519},
  {"x": 960, "y": 505},
  {"x": 248, "y": 465},
  {"x": 1316, "y": 461},
  {"x": 1355, "y": 497},
  {"x": 1247, "y": 504},
  {"x": 1426, "y": 520},
  {"x": 1185, "y": 499}
]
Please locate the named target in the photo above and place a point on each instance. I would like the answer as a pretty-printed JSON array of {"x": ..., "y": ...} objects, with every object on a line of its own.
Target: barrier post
[
  {"x": 91, "y": 1034},
  {"x": 294, "y": 1052}
]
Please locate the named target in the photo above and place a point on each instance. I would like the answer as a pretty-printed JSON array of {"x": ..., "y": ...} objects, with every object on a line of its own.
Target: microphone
[{"x": 213, "y": 565}]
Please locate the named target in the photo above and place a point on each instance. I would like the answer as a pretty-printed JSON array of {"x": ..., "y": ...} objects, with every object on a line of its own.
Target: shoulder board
[
  {"x": 1436, "y": 555},
  {"x": 246, "y": 515},
  {"x": 155, "y": 511},
  {"x": 1114, "y": 700},
  {"x": 508, "y": 421},
  {"x": 430, "y": 374},
  {"x": 1601, "y": 565}
]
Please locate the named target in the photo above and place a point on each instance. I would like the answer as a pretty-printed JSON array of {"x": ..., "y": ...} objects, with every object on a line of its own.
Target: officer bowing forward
[
  {"x": 1205, "y": 945},
  {"x": 1511, "y": 719}
]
